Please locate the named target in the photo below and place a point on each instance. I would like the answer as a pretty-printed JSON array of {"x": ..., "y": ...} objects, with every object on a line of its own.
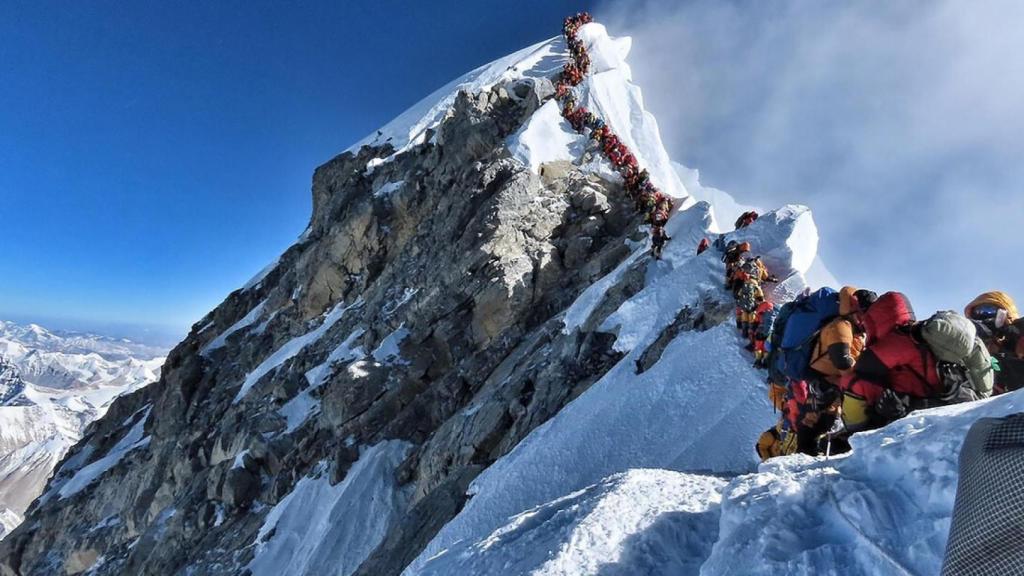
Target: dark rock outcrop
[{"x": 460, "y": 250}]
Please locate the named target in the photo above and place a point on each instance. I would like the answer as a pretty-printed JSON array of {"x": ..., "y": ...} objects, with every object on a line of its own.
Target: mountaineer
[
  {"x": 658, "y": 239},
  {"x": 839, "y": 344},
  {"x": 909, "y": 365},
  {"x": 746, "y": 219},
  {"x": 733, "y": 257},
  {"x": 842, "y": 339},
  {"x": 749, "y": 297},
  {"x": 810, "y": 405},
  {"x": 995, "y": 316},
  {"x": 764, "y": 320}
]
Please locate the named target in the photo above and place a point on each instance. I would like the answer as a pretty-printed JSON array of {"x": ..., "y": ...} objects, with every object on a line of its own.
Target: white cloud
[{"x": 897, "y": 122}]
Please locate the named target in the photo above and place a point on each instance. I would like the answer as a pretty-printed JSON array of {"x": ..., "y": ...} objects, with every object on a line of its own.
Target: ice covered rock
[{"x": 473, "y": 258}]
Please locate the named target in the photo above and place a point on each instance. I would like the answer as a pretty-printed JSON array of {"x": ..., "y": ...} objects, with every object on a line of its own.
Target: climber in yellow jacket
[{"x": 998, "y": 324}]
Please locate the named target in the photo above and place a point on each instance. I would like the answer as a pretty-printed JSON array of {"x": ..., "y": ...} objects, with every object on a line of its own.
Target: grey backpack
[{"x": 953, "y": 338}]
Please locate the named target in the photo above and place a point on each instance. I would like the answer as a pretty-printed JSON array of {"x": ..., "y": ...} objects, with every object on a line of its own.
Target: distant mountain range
[{"x": 52, "y": 385}]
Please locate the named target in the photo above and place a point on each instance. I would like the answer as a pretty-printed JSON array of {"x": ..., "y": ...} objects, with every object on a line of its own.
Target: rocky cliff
[
  {"x": 467, "y": 273},
  {"x": 419, "y": 311}
]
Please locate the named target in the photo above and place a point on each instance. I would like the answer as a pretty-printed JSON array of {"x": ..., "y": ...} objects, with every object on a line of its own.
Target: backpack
[
  {"x": 774, "y": 342},
  {"x": 745, "y": 219},
  {"x": 750, "y": 269},
  {"x": 956, "y": 388},
  {"x": 749, "y": 296},
  {"x": 954, "y": 340},
  {"x": 768, "y": 319},
  {"x": 800, "y": 330}
]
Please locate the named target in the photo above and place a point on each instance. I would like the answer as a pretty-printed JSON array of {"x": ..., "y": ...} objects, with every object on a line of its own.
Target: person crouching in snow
[{"x": 779, "y": 440}]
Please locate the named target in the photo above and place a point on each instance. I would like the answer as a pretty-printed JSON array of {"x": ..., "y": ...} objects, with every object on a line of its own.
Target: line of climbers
[
  {"x": 841, "y": 362},
  {"x": 655, "y": 206}
]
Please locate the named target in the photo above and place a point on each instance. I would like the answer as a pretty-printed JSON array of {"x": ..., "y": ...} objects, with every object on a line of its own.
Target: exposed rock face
[
  {"x": 422, "y": 304},
  {"x": 11, "y": 384}
]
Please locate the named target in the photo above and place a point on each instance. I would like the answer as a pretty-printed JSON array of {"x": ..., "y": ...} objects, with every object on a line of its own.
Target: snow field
[
  {"x": 543, "y": 59},
  {"x": 330, "y": 530},
  {"x": 546, "y": 137},
  {"x": 637, "y": 522},
  {"x": 884, "y": 508},
  {"x": 610, "y": 93}
]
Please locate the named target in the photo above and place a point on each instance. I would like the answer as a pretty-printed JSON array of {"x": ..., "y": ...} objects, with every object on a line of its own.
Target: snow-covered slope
[
  {"x": 884, "y": 508},
  {"x": 324, "y": 529},
  {"x": 52, "y": 385},
  {"x": 725, "y": 210},
  {"x": 412, "y": 126},
  {"x": 541, "y": 397},
  {"x": 636, "y": 522},
  {"x": 700, "y": 408}
]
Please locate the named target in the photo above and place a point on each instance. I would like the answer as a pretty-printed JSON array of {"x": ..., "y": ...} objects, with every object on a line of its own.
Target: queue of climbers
[
  {"x": 841, "y": 362},
  {"x": 654, "y": 205},
  {"x": 838, "y": 362}
]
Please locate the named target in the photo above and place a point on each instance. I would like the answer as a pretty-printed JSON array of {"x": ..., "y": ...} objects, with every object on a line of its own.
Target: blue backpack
[{"x": 803, "y": 319}]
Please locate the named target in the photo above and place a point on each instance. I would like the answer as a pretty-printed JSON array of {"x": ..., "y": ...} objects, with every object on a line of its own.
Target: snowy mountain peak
[
  {"x": 52, "y": 385},
  {"x": 469, "y": 363},
  {"x": 508, "y": 280}
]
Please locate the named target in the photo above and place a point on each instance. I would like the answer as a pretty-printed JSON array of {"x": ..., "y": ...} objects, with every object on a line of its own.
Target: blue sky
[{"x": 154, "y": 156}]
